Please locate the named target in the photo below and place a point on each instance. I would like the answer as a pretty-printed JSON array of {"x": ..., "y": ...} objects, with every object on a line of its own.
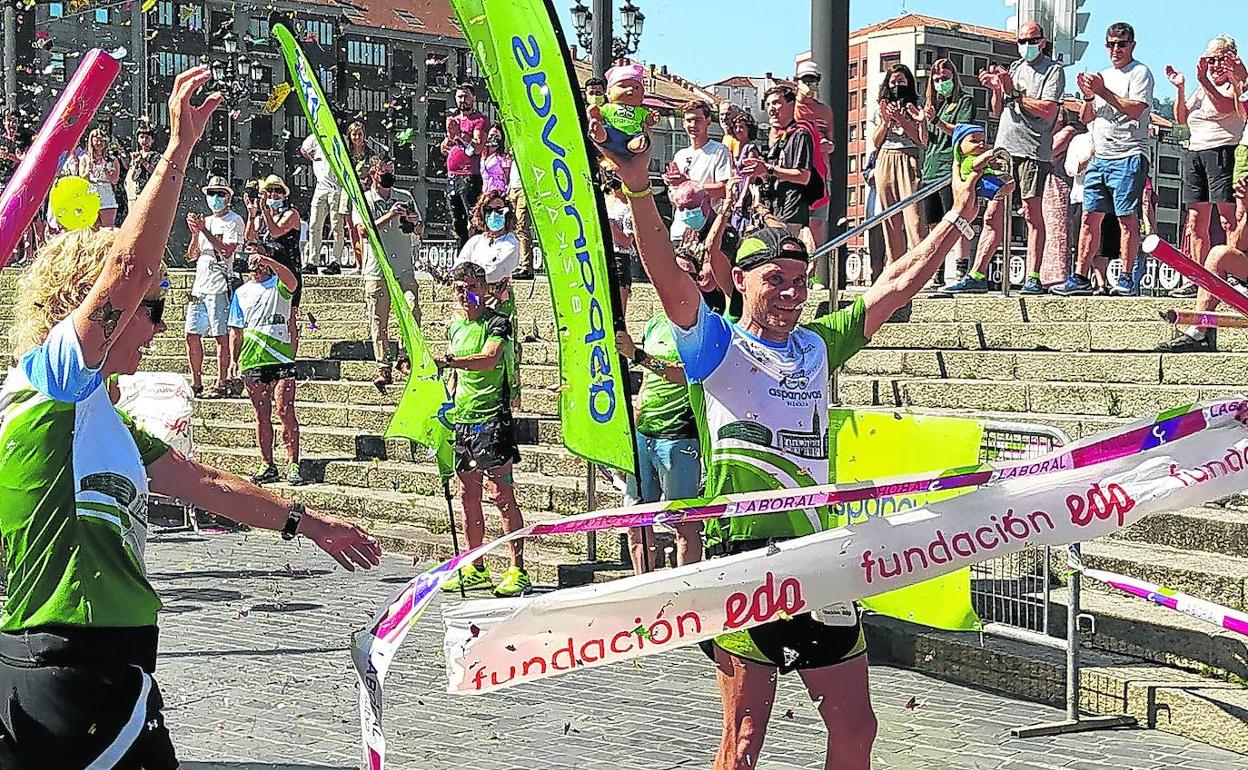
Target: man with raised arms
[{"x": 762, "y": 383}]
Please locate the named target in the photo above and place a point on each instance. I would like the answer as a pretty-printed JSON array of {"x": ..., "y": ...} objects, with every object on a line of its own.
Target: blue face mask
[
  {"x": 694, "y": 219},
  {"x": 495, "y": 220},
  {"x": 277, "y": 205},
  {"x": 216, "y": 202}
]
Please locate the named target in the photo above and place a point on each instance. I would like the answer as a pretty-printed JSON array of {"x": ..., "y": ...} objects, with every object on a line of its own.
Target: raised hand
[
  {"x": 1175, "y": 77},
  {"x": 1084, "y": 80},
  {"x": 965, "y": 191},
  {"x": 186, "y": 120}
]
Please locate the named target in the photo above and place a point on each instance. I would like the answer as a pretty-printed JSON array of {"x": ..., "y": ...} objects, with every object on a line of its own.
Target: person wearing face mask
[
  {"x": 705, "y": 164},
  {"x": 495, "y": 163},
  {"x": 399, "y": 224},
  {"x": 1027, "y": 99},
  {"x": 272, "y": 220},
  {"x": 947, "y": 105},
  {"x": 214, "y": 240},
  {"x": 899, "y": 134},
  {"x": 142, "y": 164}
]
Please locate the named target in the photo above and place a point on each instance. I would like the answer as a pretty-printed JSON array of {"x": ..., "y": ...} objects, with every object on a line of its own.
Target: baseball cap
[
  {"x": 767, "y": 245},
  {"x": 808, "y": 67}
]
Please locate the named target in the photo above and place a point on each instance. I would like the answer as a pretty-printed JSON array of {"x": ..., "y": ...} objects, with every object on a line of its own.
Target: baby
[
  {"x": 619, "y": 125},
  {"x": 970, "y": 154}
]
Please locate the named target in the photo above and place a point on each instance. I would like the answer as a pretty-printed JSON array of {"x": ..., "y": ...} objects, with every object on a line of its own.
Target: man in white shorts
[{"x": 214, "y": 240}]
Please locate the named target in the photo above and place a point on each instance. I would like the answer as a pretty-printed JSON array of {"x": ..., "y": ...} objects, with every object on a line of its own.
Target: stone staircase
[{"x": 1080, "y": 365}]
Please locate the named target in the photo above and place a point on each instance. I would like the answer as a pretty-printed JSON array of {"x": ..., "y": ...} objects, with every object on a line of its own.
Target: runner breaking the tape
[
  {"x": 762, "y": 386},
  {"x": 78, "y": 632}
]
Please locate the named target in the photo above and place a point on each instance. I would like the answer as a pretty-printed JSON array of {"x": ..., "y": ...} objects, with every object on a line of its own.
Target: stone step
[
  {"x": 1216, "y": 577},
  {"x": 1073, "y": 426},
  {"x": 353, "y": 444},
  {"x": 1138, "y": 368},
  {"x": 1044, "y": 309},
  {"x": 534, "y": 491},
  {"x": 1213, "y": 530},
  {"x": 1141, "y": 629},
  {"x": 1083, "y": 398}
]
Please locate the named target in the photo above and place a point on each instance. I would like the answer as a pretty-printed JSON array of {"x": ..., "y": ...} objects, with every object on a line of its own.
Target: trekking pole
[{"x": 450, "y": 515}]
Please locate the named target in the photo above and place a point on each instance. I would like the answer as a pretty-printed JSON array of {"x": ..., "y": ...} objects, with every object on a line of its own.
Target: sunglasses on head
[
  {"x": 1118, "y": 43},
  {"x": 155, "y": 308}
]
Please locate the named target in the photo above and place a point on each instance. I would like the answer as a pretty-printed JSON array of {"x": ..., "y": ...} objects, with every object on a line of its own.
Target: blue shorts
[
  {"x": 671, "y": 469},
  {"x": 207, "y": 316},
  {"x": 1115, "y": 186}
]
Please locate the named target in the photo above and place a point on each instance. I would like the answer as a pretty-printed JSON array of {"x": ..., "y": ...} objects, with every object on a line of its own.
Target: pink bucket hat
[{"x": 624, "y": 72}]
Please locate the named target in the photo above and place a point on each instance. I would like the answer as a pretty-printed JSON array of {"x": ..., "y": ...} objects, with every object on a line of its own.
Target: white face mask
[{"x": 1029, "y": 51}]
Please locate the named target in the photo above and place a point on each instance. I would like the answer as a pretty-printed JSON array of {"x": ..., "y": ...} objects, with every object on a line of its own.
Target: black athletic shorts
[
  {"x": 72, "y": 698},
  {"x": 268, "y": 374},
  {"x": 486, "y": 446},
  {"x": 1210, "y": 176},
  {"x": 798, "y": 643}
]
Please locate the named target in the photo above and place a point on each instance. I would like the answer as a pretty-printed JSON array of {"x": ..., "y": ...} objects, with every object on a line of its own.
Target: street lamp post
[
  {"x": 594, "y": 31},
  {"x": 233, "y": 78}
]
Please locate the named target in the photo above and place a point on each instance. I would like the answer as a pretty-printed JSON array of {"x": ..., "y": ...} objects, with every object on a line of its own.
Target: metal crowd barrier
[{"x": 1013, "y": 594}]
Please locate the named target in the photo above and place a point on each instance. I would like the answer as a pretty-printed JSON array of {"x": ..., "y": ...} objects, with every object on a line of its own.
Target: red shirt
[{"x": 459, "y": 162}]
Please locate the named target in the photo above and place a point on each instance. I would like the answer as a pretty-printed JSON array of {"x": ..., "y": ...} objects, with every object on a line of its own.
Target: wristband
[
  {"x": 640, "y": 357},
  {"x": 958, "y": 221},
  {"x": 636, "y": 194},
  {"x": 292, "y": 521}
]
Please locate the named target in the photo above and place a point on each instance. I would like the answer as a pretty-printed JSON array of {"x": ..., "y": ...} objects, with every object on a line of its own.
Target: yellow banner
[{"x": 876, "y": 445}]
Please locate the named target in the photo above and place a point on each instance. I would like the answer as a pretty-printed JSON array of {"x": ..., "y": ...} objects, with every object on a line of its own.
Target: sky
[{"x": 686, "y": 34}]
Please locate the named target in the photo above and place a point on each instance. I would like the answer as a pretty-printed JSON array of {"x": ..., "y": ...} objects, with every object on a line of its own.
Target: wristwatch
[
  {"x": 292, "y": 521},
  {"x": 958, "y": 221},
  {"x": 640, "y": 357}
]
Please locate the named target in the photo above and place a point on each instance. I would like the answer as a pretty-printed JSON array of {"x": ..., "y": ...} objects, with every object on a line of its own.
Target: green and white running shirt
[
  {"x": 262, "y": 310},
  {"x": 73, "y": 495},
  {"x": 763, "y": 409}
]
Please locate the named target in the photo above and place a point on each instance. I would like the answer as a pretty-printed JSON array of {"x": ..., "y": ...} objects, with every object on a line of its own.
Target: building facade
[{"x": 390, "y": 64}]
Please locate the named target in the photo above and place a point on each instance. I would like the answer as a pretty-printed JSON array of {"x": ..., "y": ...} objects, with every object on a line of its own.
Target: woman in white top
[
  {"x": 1215, "y": 117},
  {"x": 103, "y": 171},
  {"x": 494, "y": 247}
]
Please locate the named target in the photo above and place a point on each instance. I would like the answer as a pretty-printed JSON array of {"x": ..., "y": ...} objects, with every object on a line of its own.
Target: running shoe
[
  {"x": 515, "y": 582},
  {"x": 267, "y": 475},
  {"x": 1075, "y": 286},
  {"x": 968, "y": 285},
  {"x": 1185, "y": 343},
  {"x": 294, "y": 477},
  {"x": 1124, "y": 287},
  {"x": 309, "y": 268},
  {"x": 1032, "y": 286},
  {"x": 1185, "y": 292},
  {"x": 472, "y": 577}
]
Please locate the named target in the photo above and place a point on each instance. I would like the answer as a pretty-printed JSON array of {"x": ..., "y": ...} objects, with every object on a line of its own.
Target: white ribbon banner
[{"x": 496, "y": 644}]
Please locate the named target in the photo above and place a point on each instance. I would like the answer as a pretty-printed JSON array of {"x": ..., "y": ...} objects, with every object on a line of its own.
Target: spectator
[
  {"x": 214, "y": 239},
  {"x": 12, "y": 146},
  {"x": 1056, "y": 203},
  {"x": 742, "y": 141},
  {"x": 821, "y": 120},
  {"x": 596, "y": 91},
  {"x": 398, "y": 222},
  {"x": 947, "y": 105},
  {"x": 1215, "y": 119},
  {"x": 327, "y": 207},
  {"x": 789, "y": 180},
  {"x": 669, "y": 455},
  {"x": 495, "y": 163},
  {"x": 142, "y": 164},
  {"x": 495, "y": 248},
  {"x": 272, "y": 221},
  {"x": 264, "y": 356},
  {"x": 1026, "y": 98},
  {"x": 102, "y": 169},
  {"x": 480, "y": 356},
  {"x": 524, "y": 225},
  {"x": 1118, "y": 104},
  {"x": 899, "y": 135},
  {"x": 466, "y": 130},
  {"x": 623, "y": 249},
  {"x": 705, "y": 164},
  {"x": 728, "y": 114}
]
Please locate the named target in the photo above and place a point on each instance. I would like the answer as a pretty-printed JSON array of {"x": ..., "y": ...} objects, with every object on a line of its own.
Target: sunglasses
[
  {"x": 1118, "y": 43},
  {"x": 155, "y": 309},
  {"x": 1031, "y": 40}
]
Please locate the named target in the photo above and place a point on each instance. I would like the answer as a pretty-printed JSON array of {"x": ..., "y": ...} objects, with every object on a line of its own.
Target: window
[
  {"x": 366, "y": 99},
  {"x": 158, "y": 113},
  {"x": 101, "y": 15},
  {"x": 1168, "y": 166},
  {"x": 853, "y": 195},
  {"x": 404, "y": 67},
  {"x": 56, "y": 10},
  {"x": 926, "y": 58},
  {"x": 853, "y": 101},
  {"x": 981, "y": 98},
  {"x": 58, "y": 67},
  {"x": 435, "y": 116},
  {"x": 326, "y": 76},
  {"x": 258, "y": 30},
  {"x": 958, "y": 64},
  {"x": 853, "y": 164},
  {"x": 164, "y": 13},
  {"x": 168, "y": 63},
  {"x": 297, "y": 125},
  {"x": 853, "y": 70},
  {"x": 260, "y": 86},
  {"x": 191, "y": 18},
  {"x": 435, "y": 67},
  {"x": 262, "y": 132},
  {"x": 319, "y": 31},
  {"x": 978, "y": 63},
  {"x": 1167, "y": 197},
  {"x": 405, "y": 160},
  {"x": 434, "y": 162},
  {"x": 408, "y": 19},
  {"x": 853, "y": 133},
  {"x": 889, "y": 59},
  {"x": 362, "y": 52}
]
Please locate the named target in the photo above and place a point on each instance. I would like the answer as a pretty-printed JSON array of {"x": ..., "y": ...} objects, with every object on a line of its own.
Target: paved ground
[{"x": 256, "y": 675}]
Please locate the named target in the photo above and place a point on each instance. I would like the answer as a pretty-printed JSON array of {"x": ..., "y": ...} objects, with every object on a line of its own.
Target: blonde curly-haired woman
[{"x": 78, "y": 630}]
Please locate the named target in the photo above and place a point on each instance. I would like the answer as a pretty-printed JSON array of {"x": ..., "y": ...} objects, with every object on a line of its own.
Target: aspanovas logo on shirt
[
  {"x": 131, "y": 504},
  {"x": 795, "y": 389}
]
